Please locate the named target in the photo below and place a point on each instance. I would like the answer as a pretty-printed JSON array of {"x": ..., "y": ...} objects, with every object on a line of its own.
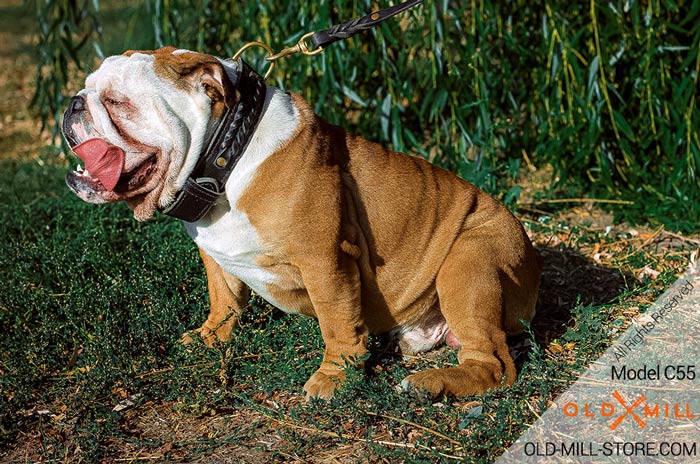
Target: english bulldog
[{"x": 317, "y": 221}]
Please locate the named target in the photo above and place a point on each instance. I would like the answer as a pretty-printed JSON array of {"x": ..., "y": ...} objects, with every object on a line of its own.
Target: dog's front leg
[
  {"x": 228, "y": 296},
  {"x": 335, "y": 294}
]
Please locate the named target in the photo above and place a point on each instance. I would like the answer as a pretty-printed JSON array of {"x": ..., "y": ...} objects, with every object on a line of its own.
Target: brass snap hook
[
  {"x": 261, "y": 45},
  {"x": 299, "y": 47}
]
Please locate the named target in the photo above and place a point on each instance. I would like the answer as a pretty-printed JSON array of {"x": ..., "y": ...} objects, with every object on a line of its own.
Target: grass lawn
[{"x": 93, "y": 305}]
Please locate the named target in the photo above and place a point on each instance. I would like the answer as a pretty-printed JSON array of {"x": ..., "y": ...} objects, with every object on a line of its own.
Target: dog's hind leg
[
  {"x": 228, "y": 296},
  {"x": 478, "y": 287}
]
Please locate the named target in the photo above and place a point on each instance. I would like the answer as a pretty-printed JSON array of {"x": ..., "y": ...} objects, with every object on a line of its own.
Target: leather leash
[
  {"x": 207, "y": 181},
  {"x": 320, "y": 40}
]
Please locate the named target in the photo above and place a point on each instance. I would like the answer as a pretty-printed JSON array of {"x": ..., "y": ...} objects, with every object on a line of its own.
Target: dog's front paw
[
  {"x": 323, "y": 385},
  {"x": 423, "y": 385},
  {"x": 188, "y": 337},
  {"x": 192, "y": 335},
  {"x": 208, "y": 336},
  {"x": 456, "y": 381}
]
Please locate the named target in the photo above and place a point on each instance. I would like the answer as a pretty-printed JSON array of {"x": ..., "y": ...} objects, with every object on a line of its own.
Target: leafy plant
[
  {"x": 605, "y": 93},
  {"x": 66, "y": 28}
]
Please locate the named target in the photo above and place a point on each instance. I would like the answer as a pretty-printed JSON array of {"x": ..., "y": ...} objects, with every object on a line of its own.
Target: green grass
[{"x": 94, "y": 303}]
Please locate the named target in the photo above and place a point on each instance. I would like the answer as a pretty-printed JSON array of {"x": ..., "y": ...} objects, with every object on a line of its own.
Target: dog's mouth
[
  {"x": 127, "y": 181},
  {"x": 106, "y": 169}
]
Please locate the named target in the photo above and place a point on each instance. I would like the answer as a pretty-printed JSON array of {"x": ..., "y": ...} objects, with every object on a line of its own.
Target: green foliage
[
  {"x": 72, "y": 36},
  {"x": 94, "y": 304},
  {"x": 604, "y": 92},
  {"x": 65, "y": 29}
]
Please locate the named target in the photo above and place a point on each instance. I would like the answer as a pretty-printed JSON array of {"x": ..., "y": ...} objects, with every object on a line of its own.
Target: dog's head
[{"x": 141, "y": 122}]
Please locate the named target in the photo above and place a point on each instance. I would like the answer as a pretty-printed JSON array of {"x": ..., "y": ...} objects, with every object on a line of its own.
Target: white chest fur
[{"x": 226, "y": 234}]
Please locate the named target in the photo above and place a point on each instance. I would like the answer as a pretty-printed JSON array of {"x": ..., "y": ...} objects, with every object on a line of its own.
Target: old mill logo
[{"x": 637, "y": 411}]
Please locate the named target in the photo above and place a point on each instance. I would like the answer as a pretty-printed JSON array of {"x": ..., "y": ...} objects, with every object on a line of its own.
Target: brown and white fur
[{"x": 319, "y": 222}]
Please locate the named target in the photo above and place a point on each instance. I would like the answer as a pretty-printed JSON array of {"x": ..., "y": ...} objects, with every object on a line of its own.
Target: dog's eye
[{"x": 113, "y": 102}]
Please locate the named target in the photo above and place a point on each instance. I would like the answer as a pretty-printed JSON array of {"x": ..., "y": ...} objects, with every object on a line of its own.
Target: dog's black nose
[{"x": 77, "y": 103}]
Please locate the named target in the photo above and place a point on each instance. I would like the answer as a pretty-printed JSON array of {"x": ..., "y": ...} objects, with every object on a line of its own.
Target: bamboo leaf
[{"x": 385, "y": 114}]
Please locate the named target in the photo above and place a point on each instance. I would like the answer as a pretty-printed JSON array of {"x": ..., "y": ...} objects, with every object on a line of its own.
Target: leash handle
[
  {"x": 347, "y": 29},
  {"x": 341, "y": 31}
]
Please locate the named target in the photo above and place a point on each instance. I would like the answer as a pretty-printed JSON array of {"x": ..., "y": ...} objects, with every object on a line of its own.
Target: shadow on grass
[{"x": 570, "y": 279}]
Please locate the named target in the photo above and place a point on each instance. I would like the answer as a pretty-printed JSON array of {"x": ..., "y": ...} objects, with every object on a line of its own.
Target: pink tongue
[{"x": 102, "y": 160}]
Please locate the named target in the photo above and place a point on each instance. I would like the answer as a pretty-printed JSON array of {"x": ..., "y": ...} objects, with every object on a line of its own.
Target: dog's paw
[
  {"x": 187, "y": 337},
  {"x": 420, "y": 394},
  {"x": 456, "y": 381},
  {"x": 323, "y": 385},
  {"x": 423, "y": 386},
  {"x": 203, "y": 333}
]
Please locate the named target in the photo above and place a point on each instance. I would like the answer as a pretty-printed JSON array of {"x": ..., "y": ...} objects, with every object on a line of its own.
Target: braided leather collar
[{"x": 208, "y": 179}]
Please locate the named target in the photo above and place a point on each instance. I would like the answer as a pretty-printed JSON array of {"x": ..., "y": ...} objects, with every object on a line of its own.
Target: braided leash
[
  {"x": 320, "y": 40},
  {"x": 357, "y": 25}
]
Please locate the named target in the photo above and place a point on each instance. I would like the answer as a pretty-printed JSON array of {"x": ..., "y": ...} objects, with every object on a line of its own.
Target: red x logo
[{"x": 629, "y": 410}]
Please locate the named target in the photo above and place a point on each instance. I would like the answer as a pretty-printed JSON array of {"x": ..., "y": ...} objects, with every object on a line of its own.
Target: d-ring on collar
[{"x": 208, "y": 179}]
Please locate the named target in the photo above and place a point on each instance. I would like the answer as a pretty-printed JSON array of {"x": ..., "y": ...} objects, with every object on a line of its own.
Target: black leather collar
[{"x": 208, "y": 179}]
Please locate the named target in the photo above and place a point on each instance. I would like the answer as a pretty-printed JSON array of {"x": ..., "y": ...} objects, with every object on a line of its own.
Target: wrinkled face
[{"x": 141, "y": 122}]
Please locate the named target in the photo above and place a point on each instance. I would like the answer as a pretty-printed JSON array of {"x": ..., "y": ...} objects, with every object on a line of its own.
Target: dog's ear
[
  {"x": 232, "y": 70},
  {"x": 219, "y": 81},
  {"x": 218, "y": 78}
]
